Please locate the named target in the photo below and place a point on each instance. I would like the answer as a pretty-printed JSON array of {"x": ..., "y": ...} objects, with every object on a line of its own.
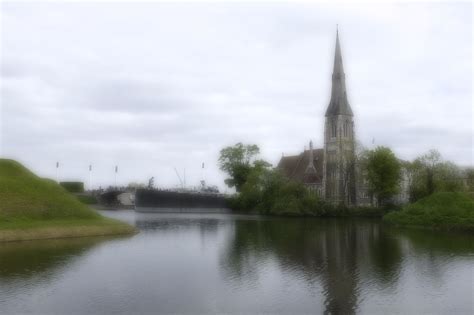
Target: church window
[
  {"x": 347, "y": 129},
  {"x": 334, "y": 129}
]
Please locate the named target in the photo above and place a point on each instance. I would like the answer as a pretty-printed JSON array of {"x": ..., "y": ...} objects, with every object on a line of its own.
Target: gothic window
[
  {"x": 334, "y": 129},
  {"x": 347, "y": 129}
]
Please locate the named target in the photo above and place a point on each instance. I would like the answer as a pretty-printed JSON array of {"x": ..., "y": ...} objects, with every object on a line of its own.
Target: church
[{"x": 331, "y": 172}]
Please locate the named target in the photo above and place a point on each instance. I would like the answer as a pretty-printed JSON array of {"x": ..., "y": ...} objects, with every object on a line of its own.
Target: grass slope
[
  {"x": 443, "y": 210},
  {"x": 32, "y": 207}
]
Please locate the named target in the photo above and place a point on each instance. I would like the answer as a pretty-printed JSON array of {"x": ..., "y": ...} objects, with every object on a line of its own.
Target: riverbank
[
  {"x": 27, "y": 230},
  {"x": 327, "y": 212},
  {"x": 443, "y": 211},
  {"x": 35, "y": 208}
]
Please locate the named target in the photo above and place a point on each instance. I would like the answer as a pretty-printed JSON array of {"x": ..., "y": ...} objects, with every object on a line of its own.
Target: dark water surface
[{"x": 217, "y": 263}]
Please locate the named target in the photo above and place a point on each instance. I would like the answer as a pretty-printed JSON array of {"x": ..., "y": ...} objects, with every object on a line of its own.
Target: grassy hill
[
  {"x": 32, "y": 207},
  {"x": 443, "y": 210}
]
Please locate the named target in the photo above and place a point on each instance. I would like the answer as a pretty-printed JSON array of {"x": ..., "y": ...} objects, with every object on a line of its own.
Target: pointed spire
[
  {"x": 311, "y": 169},
  {"x": 338, "y": 104},
  {"x": 338, "y": 68}
]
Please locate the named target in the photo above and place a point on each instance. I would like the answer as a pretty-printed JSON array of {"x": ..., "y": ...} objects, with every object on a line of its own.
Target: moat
[{"x": 218, "y": 263}]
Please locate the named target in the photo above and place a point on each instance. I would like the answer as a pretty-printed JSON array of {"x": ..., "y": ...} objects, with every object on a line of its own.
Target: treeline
[
  {"x": 429, "y": 173},
  {"x": 264, "y": 189}
]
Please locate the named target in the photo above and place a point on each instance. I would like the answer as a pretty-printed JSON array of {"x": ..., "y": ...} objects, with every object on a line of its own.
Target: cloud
[{"x": 155, "y": 86}]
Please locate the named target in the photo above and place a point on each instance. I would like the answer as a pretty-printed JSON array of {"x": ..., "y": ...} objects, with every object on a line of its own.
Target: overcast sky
[{"x": 150, "y": 87}]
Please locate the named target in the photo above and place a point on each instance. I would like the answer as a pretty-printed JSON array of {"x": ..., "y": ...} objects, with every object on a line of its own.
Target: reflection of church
[
  {"x": 339, "y": 260},
  {"x": 331, "y": 171}
]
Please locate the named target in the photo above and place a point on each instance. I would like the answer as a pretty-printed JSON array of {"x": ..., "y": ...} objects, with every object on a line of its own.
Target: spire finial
[{"x": 338, "y": 69}]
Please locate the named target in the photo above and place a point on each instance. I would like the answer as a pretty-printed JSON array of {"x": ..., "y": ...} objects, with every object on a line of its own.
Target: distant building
[
  {"x": 126, "y": 198},
  {"x": 331, "y": 171}
]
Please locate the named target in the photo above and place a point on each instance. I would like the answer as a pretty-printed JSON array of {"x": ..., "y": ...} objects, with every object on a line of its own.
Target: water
[{"x": 218, "y": 263}]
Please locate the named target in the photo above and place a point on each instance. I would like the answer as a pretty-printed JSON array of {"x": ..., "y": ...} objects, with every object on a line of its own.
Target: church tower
[{"x": 339, "y": 140}]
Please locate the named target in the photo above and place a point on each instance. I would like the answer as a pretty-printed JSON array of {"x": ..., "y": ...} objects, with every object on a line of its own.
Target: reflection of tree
[
  {"x": 386, "y": 256},
  {"x": 173, "y": 223},
  {"x": 435, "y": 250},
  {"x": 334, "y": 251},
  {"x": 41, "y": 258},
  {"x": 441, "y": 243}
]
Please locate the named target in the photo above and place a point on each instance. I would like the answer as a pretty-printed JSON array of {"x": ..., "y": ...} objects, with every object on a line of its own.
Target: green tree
[
  {"x": 383, "y": 173},
  {"x": 469, "y": 173},
  {"x": 429, "y": 174},
  {"x": 238, "y": 161},
  {"x": 269, "y": 192}
]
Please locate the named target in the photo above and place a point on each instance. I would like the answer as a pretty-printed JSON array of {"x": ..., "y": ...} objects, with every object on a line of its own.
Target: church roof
[
  {"x": 339, "y": 105},
  {"x": 295, "y": 167}
]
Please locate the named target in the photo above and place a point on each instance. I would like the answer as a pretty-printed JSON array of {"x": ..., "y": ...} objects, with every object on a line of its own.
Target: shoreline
[
  {"x": 30, "y": 230},
  {"x": 111, "y": 207}
]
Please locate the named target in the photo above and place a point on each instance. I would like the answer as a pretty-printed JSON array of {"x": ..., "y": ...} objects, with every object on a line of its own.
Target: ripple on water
[{"x": 230, "y": 264}]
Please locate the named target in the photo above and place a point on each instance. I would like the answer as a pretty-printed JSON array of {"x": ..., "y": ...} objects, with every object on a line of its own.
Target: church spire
[
  {"x": 338, "y": 69},
  {"x": 338, "y": 104},
  {"x": 311, "y": 169}
]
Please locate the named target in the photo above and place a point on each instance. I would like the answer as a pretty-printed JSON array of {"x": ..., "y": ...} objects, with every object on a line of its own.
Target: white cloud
[{"x": 153, "y": 86}]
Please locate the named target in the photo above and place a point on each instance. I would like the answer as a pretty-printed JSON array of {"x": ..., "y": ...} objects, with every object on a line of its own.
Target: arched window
[
  {"x": 347, "y": 129},
  {"x": 334, "y": 129}
]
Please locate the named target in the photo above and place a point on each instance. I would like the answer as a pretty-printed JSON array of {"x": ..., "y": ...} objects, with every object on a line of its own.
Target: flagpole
[
  {"x": 57, "y": 172},
  {"x": 116, "y": 171},
  {"x": 203, "y": 179},
  {"x": 90, "y": 177}
]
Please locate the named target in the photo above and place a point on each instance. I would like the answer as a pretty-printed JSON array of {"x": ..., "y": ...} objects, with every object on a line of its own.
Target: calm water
[{"x": 243, "y": 265}]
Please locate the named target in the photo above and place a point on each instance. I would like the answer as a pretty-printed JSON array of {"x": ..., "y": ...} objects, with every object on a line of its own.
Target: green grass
[
  {"x": 26, "y": 196},
  {"x": 25, "y": 230},
  {"x": 28, "y": 202},
  {"x": 87, "y": 199},
  {"x": 443, "y": 210}
]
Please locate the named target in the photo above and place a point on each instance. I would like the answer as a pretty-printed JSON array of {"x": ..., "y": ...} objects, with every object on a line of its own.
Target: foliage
[
  {"x": 151, "y": 183},
  {"x": 444, "y": 210},
  {"x": 73, "y": 187},
  {"x": 267, "y": 191},
  {"x": 383, "y": 173},
  {"x": 470, "y": 179},
  {"x": 135, "y": 185},
  {"x": 87, "y": 199},
  {"x": 238, "y": 161},
  {"x": 429, "y": 174}
]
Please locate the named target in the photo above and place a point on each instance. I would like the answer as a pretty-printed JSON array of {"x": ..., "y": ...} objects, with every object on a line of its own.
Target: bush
[
  {"x": 269, "y": 192},
  {"x": 443, "y": 210},
  {"x": 73, "y": 187}
]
